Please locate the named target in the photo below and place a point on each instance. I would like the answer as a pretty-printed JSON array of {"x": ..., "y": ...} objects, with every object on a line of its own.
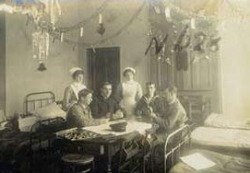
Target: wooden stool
[{"x": 76, "y": 162}]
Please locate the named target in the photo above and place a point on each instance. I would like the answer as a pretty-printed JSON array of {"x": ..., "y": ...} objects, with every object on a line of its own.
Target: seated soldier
[
  {"x": 172, "y": 116},
  {"x": 79, "y": 114},
  {"x": 104, "y": 105},
  {"x": 149, "y": 103}
]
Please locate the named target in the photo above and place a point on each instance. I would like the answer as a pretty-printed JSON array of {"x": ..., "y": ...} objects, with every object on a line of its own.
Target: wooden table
[{"x": 108, "y": 144}]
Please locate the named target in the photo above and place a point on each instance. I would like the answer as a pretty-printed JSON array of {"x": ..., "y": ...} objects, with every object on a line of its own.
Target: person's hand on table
[
  {"x": 139, "y": 117},
  {"x": 153, "y": 115},
  {"x": 117, "y": 115},
  {"x": 108, "y": 115},
  {"x": 105, "y": 120},
  {"x": 151, "y": 112}
]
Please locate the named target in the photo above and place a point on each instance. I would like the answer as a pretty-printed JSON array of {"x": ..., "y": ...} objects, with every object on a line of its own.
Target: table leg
[{"x": 109, "y": 165}]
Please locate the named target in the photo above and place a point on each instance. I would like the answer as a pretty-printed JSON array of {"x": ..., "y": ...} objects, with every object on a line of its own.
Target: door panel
[{"x": 103, "y": 65}]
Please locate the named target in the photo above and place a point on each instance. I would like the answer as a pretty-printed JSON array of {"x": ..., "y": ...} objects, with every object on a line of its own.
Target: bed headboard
[
  {"x": 176, "y": 143},
  {"x": 36, "y": 100}
]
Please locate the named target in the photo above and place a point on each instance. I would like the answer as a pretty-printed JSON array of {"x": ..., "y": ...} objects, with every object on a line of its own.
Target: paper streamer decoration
[
  {"x": 40, "y": 43},
  {"x": 192, "y": 23},
  {"x": 81, "y": 32},
  {"x": 100, "y": 18},
  {"x": 167, "y": 13}
]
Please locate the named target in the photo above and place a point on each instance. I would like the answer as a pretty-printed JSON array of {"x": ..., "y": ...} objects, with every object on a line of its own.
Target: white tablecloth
[{"x": 104, "y": 129}]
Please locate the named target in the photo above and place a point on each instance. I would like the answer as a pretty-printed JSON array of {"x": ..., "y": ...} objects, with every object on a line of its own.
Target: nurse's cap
[
  {"x": 74, "y": 69},
  {"x": 129, "y": 69}
]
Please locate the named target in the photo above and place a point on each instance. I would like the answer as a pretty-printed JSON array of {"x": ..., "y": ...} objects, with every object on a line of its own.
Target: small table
[{"x": 107, "y": 143}]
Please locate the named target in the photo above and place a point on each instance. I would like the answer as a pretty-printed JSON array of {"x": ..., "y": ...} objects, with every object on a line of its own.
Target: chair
[
  {"x": 130, "y": 154},
  {"x": 78, "y": 163}
]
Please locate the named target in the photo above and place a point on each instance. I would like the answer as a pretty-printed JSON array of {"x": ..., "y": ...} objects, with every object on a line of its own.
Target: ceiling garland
[{"x": 46, "y": 13}]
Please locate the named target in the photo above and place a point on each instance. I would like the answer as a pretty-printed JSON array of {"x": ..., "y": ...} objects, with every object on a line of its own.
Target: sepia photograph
[{"x": 114, "y": 86}]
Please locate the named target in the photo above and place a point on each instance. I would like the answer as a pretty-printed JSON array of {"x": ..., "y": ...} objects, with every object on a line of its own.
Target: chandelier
[{"x": 39, "y": 12}]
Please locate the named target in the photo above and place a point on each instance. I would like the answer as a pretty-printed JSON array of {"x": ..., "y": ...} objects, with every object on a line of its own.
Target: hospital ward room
[{"x": 134, "y": 86}]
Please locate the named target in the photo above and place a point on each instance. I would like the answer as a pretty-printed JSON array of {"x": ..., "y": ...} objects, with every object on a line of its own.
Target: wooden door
[{"x": 103, "y": 65}]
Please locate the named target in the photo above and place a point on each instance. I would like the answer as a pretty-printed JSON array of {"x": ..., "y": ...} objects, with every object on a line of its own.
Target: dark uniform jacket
[
  {"x": 100, "y": 106},
  {"x": 80, "y": 116},
  {"x": 143, "y": 107}
]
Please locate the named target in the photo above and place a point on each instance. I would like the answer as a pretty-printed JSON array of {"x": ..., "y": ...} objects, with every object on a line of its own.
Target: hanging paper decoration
[
  {"x": 182, "y": 60},
  {"x": 40, "y": 48},
  {"x": 41, "y": 66},
  {"x": 195, "y": 59},
  {"x": 183, "y": 40},
  {"x": 207, "y": 57},
  {"x": 192, "y": 23},
  {"x": 180, "y": 48},
  {"x": 34, "y": 9},
  {"x": 157, "y": 10},
  {"x": 93, "y": 49},
  {"x": 53, "y": 10},
  {"x": 158, "y": 45},
  {"x": 6, "y": 8},
  {"x": 101, "y": 29},
  {"x": 223, "y": 26},
  {"x": 40, "y": 45},
  {"x": 167, "y": 13},
  {"x": 100, "y": 18},
  {"x": 213, "y": 44},
  {"x": 81, "y": 32},
  {"x": 200, "y": 42},
  {"x": 161, "y": 54},
  {"x": 150, "y": 33},
  {"x": 61, "y": 36},
  {"x": 58, "y": 7},
  {"x": 168, "y": 61},
  {"x": 19, "y": 2}
]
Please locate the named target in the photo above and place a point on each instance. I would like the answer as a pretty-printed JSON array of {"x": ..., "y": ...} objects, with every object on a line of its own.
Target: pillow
[
  {"x": 49, "y": 111},
  {"x": 26, "y": 123},
  {"x": 223, "y": 121},
  {"x": 2, "y": 116}
]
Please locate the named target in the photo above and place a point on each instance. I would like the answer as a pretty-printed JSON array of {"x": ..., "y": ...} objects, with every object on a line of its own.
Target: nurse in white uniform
[
  {"x": 71, "y": 92},
  {"x": 129, "y": 92}
]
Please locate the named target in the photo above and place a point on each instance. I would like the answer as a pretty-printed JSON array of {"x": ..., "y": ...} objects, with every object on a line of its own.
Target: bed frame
[
  {"x": 176, "y": 143},
  {"x": 42, "y": 132},
  {"x": 36, "y": 100},
  {"x": 37, "y": 144}
]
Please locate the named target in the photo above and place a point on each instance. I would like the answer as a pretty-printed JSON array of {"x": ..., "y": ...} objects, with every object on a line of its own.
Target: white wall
[{"x": 235, "y": 63}]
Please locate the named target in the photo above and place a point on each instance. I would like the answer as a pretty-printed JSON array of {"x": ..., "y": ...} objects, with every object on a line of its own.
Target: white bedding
[
  {"x": 231, "y": 138},
  {"x": 26, "y": 123},
  {"x": 223, "y": 121}
]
